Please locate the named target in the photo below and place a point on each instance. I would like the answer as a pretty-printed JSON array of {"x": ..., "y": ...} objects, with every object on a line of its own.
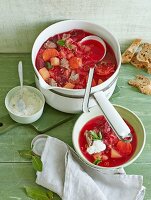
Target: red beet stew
[
  {"x": 100, "y": 145},
  {"x": 64, "y": 62}
]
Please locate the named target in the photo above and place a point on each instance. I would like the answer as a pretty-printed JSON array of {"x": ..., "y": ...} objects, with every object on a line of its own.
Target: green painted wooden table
[{"x": 15, "y": 172}]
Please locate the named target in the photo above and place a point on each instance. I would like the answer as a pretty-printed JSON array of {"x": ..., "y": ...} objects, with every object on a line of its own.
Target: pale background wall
[{"x": 22, "y": 20}]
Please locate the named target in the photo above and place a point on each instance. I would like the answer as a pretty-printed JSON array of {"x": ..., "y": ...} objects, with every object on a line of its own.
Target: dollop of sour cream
[
  {"x": 96, "y": 147},
  {"x": 32, "y": 102}
]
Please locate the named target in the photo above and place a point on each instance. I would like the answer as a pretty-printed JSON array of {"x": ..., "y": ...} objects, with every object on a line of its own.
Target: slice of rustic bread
[
  {"x": 149, "y": 68},
  {"x": 143, "y": 83},
  {"x": 130, "y": 51},
  {"x": 144, "y": 55},
  {"x": 139, "y": 64},
  {"x": 139, "y": 55}
]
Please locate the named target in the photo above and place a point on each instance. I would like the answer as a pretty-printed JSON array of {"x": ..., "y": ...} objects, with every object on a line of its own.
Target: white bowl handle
[{"x": 115, "y": 120}]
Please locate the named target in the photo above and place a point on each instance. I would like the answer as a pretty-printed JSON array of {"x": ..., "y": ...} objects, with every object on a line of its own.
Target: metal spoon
[
  {"x": 115, "y": 120},
  {"x": 21, "y": 103},
  {"x": 91, "y": 72}
]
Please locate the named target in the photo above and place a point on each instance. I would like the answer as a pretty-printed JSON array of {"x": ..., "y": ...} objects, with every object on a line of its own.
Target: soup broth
[
  {"x": 100, "y": 145},
  {"x": 64, "y": 61}
]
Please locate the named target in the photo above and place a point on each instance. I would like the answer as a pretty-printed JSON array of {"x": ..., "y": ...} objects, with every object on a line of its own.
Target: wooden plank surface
[
  {"x": 16, "y": 172},
  {"x": 14, "y": 177}
]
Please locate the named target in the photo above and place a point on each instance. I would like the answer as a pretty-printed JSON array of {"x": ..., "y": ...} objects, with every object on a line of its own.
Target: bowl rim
[
  {"x": 115, "y": 167},
  {"x": 40, "y": 95}
]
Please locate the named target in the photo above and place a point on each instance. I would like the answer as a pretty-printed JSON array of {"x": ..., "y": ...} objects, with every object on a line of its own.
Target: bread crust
[
  {"x": 139, "y": 64},
  {"x": 143, "y": 83},
  {"x": 130, "y": 51},
  {"x": 144, "y": 55},
  {"x": 139, "y": 55}
]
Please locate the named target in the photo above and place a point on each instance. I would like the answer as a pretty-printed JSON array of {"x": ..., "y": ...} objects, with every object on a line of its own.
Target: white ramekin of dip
[{"x": 33, "y": 107}]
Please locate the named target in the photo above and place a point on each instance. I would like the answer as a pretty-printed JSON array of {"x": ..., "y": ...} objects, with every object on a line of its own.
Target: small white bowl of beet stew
[{"x": 99, "y": 146}]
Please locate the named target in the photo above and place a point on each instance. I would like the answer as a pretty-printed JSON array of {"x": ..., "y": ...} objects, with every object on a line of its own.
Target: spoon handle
[
  {"x": 20, "y": 73},
  {"x": 113, "y": 117},
  {"x": 85, "y": 105}
]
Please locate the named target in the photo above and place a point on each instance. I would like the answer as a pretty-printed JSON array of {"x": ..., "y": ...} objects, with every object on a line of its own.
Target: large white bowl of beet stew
[
  {"x": 61, "y": 60},
  {"x": 99, "y": 146}
]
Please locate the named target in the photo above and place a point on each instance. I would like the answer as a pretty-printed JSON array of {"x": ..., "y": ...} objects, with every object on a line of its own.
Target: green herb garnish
[
  {"x": 94, "y": 135},
  {"x": 69, "y": 46},
  {"x": 100, "y": 135},
  {"x": 61, "y": 42},
  {"x": 25, "y": 154},
  {"x": 49, "y": 66},
  {"x": 36, "y": 161},
  {"x": 38, "y": 193},
  {"x": 50, "y": 194},
  {"x": 97, "y": 161}
]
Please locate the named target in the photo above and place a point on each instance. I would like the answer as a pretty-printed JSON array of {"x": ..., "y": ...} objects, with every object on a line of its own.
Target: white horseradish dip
[{"x": 30, "y": 100}]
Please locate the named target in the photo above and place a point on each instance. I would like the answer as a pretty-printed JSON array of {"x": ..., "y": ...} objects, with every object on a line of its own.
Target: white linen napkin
[{"x": 67, "y": 175}]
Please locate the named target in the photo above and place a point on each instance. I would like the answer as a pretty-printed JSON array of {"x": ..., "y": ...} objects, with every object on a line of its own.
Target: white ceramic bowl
[
  {"x": 127, "y": 115},
  {"x": 75, "y": 96},
  {"x": 25, "y": 119}
]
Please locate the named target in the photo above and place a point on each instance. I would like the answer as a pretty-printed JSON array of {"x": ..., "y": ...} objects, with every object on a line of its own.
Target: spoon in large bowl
[
  {"x": 115, "y": 120},
  {"x": 99, "y": 49}
]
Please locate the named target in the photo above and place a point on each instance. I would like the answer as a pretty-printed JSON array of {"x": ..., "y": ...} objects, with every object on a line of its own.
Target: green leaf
[
  {"x": 25, "y": 154},
  {"x": 94, "y": 135},
  {"x": 36, "y": 193},
  {"x": 100, "y": 135},
  {"x": 50, "y": 194},
  {"x": 97, "y": 161},
  {"x": 49, "y": 66},
  {"x": 61, "y": 42},
  {"x": 37, "y": 164},
  {"x": 69, "y": 46}
]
